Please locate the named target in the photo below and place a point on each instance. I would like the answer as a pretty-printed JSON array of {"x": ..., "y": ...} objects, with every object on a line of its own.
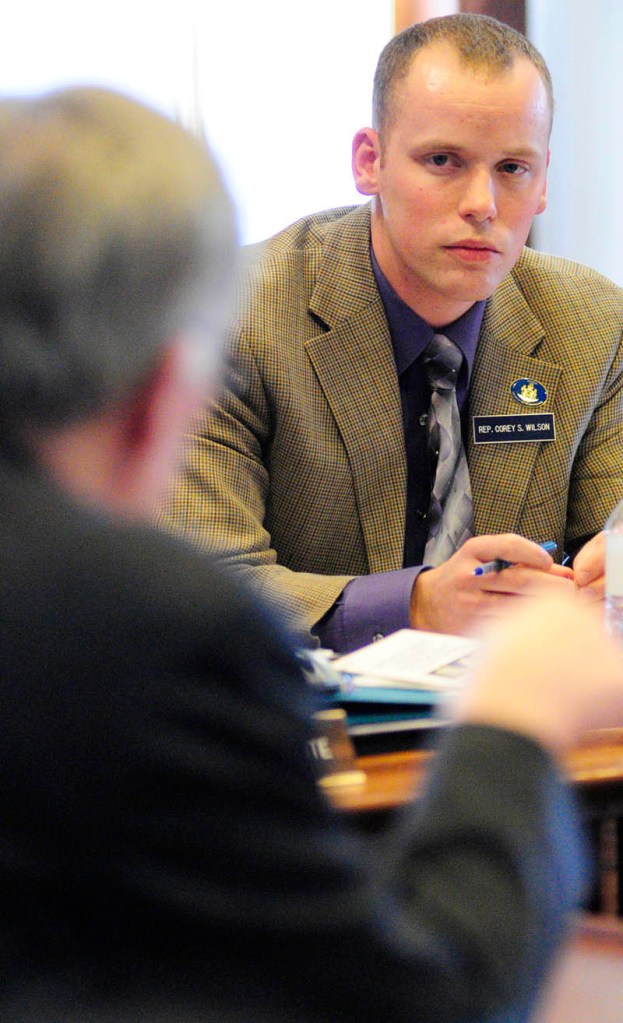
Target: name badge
[{"x": 538, "y": 426}]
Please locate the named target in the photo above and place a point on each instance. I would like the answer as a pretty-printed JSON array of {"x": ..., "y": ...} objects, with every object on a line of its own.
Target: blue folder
[{"x": 382, "y": 709}]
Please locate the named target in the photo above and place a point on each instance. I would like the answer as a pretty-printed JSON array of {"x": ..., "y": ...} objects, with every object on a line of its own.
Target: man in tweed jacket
[{"x": 302, "y": 473}]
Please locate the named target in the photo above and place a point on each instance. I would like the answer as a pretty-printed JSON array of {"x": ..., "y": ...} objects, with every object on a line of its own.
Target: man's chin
[{"x": 476, "y": 288}]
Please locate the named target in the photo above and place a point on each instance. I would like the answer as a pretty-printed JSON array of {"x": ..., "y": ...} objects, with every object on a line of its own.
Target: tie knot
[{"x": 441, "y": 362}]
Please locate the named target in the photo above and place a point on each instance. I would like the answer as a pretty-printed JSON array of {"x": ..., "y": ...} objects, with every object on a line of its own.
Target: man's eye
[
  {"x": 511, "y": 167},
  {"x": 440, "y": 160}
]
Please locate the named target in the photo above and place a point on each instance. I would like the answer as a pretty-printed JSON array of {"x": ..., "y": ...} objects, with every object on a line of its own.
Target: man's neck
[{"x": 434, "y": 308}]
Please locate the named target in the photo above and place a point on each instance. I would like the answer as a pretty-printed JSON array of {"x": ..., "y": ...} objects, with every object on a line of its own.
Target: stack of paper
[
  {"x": 402, "y": 681},
  {"x": 410, "y": 659}
]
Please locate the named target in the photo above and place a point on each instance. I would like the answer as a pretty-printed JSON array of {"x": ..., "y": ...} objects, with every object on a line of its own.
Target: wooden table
[{"x": 596, "y": 768}]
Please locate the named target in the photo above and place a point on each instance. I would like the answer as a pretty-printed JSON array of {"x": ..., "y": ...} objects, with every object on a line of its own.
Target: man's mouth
[{"x": 473, "y": 251}]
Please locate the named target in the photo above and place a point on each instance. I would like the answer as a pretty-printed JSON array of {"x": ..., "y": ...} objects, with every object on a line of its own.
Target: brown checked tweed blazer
[{"x": 299, "y": 472}]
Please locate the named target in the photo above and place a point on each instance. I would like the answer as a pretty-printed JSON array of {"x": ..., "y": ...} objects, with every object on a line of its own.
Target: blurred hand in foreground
[{"x": 549, "y": 671}]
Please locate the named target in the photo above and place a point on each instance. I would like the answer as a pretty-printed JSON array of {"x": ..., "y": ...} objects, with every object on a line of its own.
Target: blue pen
[{"x": 499, "y": 563}]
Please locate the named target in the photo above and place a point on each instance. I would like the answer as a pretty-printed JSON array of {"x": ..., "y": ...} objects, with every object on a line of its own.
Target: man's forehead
[
  {"x": 440, "y": 71},
  {"x": 438, "y": 62}
]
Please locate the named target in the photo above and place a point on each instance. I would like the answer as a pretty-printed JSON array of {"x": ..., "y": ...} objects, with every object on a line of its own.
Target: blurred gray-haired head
[{"x": 116, "y": 233}]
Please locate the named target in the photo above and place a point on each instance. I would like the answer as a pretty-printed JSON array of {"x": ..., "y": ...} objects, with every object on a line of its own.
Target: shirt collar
[{"x": 411, "y": 334}]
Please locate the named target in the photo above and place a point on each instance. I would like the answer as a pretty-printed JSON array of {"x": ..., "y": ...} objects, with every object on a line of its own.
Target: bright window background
[
  {"x": 278, "y": 86},
  {"x": 283, "y": 104}
]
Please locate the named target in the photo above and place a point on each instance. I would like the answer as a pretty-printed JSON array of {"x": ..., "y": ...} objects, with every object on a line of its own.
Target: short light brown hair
[{"x": 480, "y": 41}]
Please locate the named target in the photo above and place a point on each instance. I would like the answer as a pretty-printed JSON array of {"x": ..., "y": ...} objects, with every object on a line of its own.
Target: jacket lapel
[
  {"x": 354, "y": 363},
  {"x": 507, "y": 351}
]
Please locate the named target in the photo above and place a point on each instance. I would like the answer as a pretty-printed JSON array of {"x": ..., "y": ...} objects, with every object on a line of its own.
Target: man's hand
[
  {"x": 452, "y": 599},
  {"x": 549, "y": 671},
  {"x": 589, "y": 567}
]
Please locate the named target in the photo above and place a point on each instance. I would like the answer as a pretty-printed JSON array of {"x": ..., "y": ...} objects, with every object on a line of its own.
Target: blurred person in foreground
[
  {"x": 317, "y": 471},
  {"x": 165, "y": 852}
]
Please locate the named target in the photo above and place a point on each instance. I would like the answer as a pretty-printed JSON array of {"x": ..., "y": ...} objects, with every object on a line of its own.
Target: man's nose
[{"x": 478, "y": 198}]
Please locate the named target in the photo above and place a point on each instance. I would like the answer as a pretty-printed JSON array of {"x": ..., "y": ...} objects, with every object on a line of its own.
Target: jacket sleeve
[{"x": 219, "y": 498}]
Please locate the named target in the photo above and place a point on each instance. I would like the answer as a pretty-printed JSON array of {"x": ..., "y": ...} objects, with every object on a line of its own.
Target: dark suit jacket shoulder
[{"x": 164, "y": 849}]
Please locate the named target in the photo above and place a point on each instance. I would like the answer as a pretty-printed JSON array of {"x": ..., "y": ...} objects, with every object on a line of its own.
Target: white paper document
[{"x": 411, "y": 659}]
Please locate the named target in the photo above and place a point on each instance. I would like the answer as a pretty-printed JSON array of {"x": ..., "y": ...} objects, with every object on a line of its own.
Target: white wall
[
  {"x": 280, "y": 86},
  {"x": 283, "y": 102},
  {"x": 582, "y": 43}
]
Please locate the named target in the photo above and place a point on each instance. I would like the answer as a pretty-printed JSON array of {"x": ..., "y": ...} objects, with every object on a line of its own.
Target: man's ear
[
  {"x": 154, "y": 419},
  {"x": 146, "y": 407},
  {"x": 366, "y": 160}
]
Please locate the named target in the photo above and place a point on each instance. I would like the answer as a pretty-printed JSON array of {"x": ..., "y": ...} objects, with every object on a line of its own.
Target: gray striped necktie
[{"x": 451, "y": 513}]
